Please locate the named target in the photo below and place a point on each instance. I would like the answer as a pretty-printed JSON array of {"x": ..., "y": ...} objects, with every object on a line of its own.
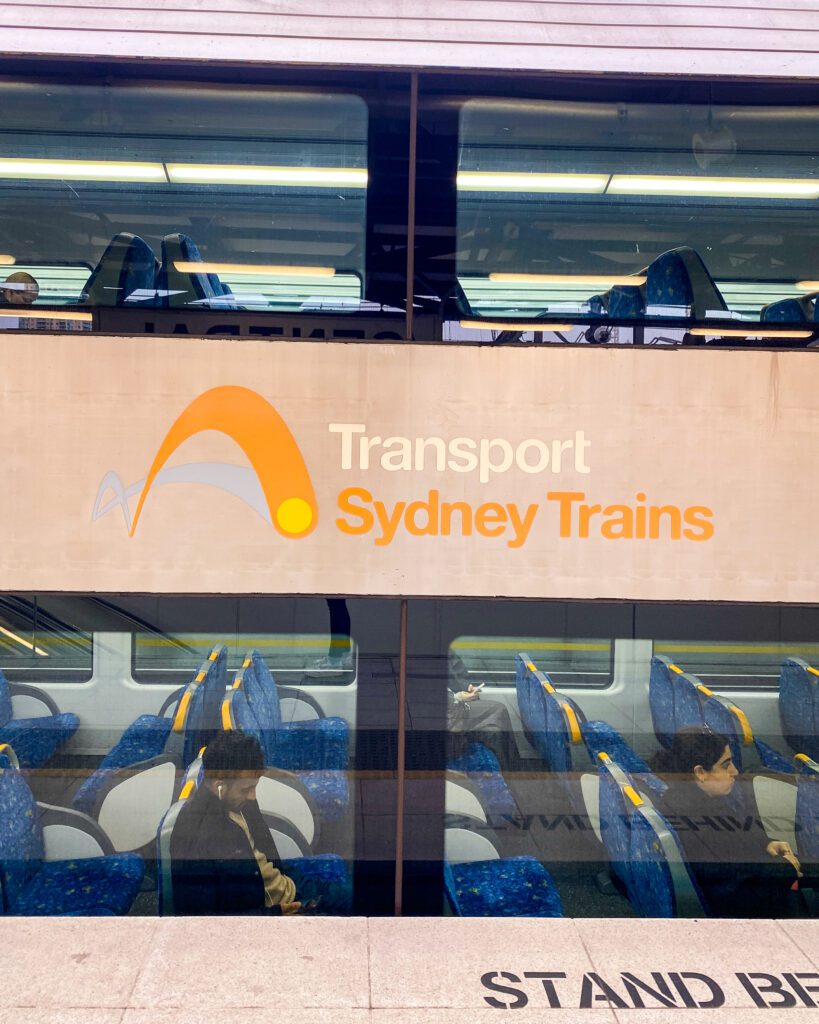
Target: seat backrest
[
  {"x": 679, "y": 281},
  {"x": 532, "y": 704},
  {"x": 236, "y": 714},
  {"x": 661, "y": 698},
  {"x": 625, "y": 302},
  {"x": 554, "y": 721},
  {"x": 663, "y": 885},
  {"x": 799, "y": 706},
  {"x": 197, "y": 714},
  {"x": 615, "y": 817},
  {"x": 182, "y": 285},
  {"x": 687, "y": 704},
  {"x": 21, "y": 838},
  {"x": 798, "y": 309},
  {"x": 128, "y": 265},
  {"x": 723, "y": 716},
  {"x": 807, "y": 808},
  {"x": 600, "y": 737},
  {"x": 262, "y": 696},
  {"x": 6, "y": 710},
  {"x": 268, "y": 685},
  {"x": 164, "y": 874},
  {"x": 523, "y": 666}
]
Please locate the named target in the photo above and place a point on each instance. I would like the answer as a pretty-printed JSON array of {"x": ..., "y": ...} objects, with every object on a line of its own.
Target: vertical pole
[
  {"x": 401, "y": 774},
  {"x": 413, "y": 147}
]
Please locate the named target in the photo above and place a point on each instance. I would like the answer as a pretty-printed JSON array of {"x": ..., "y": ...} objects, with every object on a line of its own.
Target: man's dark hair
[{"x": 232, "y": 752}]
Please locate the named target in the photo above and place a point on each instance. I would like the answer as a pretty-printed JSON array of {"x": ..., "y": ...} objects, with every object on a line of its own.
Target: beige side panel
[
  {"x": 725, "y": 38},
  {"x": 719, "y": 443}
]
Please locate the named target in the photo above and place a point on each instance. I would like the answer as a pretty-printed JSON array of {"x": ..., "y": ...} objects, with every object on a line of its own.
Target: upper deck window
[
  {"x": 633, "y": 211},
  {"x": 144, "y": 195}
]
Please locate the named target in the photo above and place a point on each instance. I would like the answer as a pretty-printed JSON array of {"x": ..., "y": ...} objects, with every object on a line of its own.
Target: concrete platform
[{"x": 406, "y": 971}]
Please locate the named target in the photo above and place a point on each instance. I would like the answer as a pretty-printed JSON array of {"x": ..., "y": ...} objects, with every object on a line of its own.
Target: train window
[
  {"x": 293, "y": 698},
  {"x": 631, "y": 210},
  {"x": 181, "y": 196},
  {"x": 579, "y": 663},
  {"x": 39, "y": 645},
  {"x": 736, "y": 665}
]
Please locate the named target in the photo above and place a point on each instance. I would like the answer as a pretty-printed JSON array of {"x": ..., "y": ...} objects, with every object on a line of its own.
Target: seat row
[
  {"x": 678, "y": 284},
  {"x": 647, "y": 856},
  {"x": 678, "y": 699},
  {"x": 129, "y": 273}
]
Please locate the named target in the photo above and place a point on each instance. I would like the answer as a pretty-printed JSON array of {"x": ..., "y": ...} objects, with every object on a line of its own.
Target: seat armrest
[
  {"x": 71, "y": 835},
  {"x": 171, "y": 700},
  {"x": 32, "y": 693},
  {"x": 291, "y": 693}
]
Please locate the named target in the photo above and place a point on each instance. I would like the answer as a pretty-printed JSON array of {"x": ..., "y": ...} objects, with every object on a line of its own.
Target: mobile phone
[{"x": 479, "y": 687}]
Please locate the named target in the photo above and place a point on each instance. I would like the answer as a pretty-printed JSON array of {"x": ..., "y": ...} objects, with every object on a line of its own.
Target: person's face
[
  {"x": 236, "y": 791},
  {"x": 718, "y": 780}
]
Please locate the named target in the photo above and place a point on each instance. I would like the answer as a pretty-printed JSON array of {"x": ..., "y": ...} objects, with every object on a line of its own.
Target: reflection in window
[
  {"x": 171, "y": 196},
  {"x": 627, "y": 210}
]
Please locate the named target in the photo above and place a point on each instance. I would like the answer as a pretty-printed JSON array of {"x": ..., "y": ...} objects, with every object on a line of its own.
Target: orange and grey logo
[{"x": 275, "y": 484}]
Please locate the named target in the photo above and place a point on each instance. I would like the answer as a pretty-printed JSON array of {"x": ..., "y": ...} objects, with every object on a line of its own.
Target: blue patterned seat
[
  {"x": 250, "y": 709},
  {"x": 679, "y": 282},
  {"x": 788, "y": 311},
  {"x": 661, "y": 698},
  {"x": 615, "y": 826},
  {"x": 723, "y": 716},
  {"x": 35, "y": 740},
  {"x": 510, "y": 887},
  {"x": 807, "y": 808},
  {"x": 324, "y": 877},
  {"x": 32, "y": 887},
  {"x": 127, "y": 268},
  {"x": 150, "y": 736},
  {"x": 482, "y": 768},
  {"x": 183, "y": 287},
  {"x": 799, "y": 706},
  {"x": 600, "y": 738},
  {"x": 662, "y": 884},
  {"x": 625, "y": 302}
]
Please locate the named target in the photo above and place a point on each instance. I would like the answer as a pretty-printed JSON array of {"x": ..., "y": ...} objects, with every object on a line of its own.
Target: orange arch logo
[{"x": 276, "y": 482}]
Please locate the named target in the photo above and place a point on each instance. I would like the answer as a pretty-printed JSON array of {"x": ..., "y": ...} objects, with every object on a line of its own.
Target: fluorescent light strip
[
  {"x": 511, "y": 325},
  {"x": 25, "y": 643},
  {"x": 198, "y": 267},
  {"x": 594, "y": 280},
  {"x": 731, "y": 332},
  {"x": 82, "y": 170},
  {"x": 681, "y": 185},
  {"x": 32, "y": 313},
  {"x": 7, "y": 261},
  {"x": 249, "y": 174},
  {"x": 490, "y": 181},
  {"x": 808, "y": 286}
]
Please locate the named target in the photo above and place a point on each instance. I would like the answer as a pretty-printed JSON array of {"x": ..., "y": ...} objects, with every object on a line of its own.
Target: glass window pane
[
  {"x": 566, "y": 208},
  {"x": 276, "y": 741},
  {"x": 182, "y": 196}
]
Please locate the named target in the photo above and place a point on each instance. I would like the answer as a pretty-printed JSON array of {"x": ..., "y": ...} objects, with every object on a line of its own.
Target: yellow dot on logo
[{"x": 294, "y": 515}]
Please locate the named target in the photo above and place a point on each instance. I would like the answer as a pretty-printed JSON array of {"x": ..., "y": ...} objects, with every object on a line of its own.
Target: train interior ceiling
[
  {"x": 107, "y": 702},
  {"x": 663, "y": 212}
]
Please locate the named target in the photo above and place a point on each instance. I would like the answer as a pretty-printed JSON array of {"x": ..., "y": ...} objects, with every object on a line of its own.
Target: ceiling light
[
  {"x": 82, "y": 170},
  {"x": 732, "y": 188},
  {"x": 45, "y": 314},
  {"x": 805, "y": 286},
  {"x": 198, "y": 267},
  {"x": 25, "y": 643},
  {"x": 512, "y": 325},
  {"x": 491, "y": 181},
  {"x": 595, "y": 280},
  {"x": 249, "y": 174},
  {"x": 732, "y": 332},
  {"x": 7, "y": 261}
]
